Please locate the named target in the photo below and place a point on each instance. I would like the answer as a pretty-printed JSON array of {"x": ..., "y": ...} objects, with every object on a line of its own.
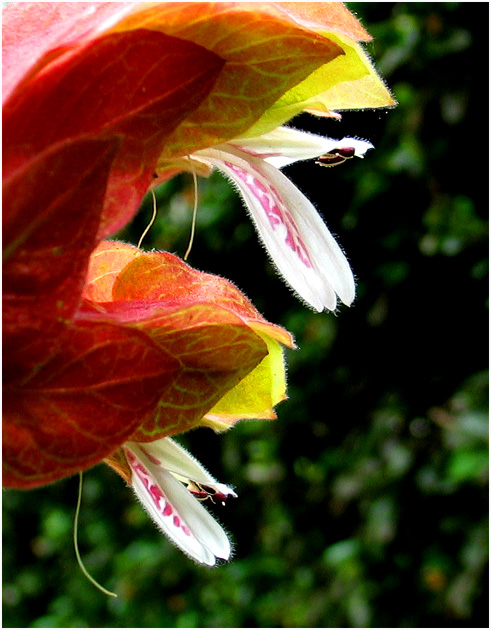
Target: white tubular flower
[
  {"x": 295, "y": 236},
  {"x": 170, "y": 484}
]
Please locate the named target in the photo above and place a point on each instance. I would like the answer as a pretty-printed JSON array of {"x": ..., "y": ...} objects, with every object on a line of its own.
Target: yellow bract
[
  {"x": 256, "y": 395},
  {"x": 347, "y": 82}
]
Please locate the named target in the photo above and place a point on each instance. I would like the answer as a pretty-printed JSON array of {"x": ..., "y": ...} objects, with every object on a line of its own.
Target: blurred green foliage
[{"x": 365, "y": 503}]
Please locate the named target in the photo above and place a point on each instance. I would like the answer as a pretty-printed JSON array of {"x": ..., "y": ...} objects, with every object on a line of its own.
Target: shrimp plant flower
[
  {"x": 171, "y": 484},
  {"x": 295, "y": 236},
  {"x": 110, "y": 351}
]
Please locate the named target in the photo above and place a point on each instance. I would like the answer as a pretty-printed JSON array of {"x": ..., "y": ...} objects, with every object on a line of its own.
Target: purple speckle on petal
[{"x": 275, "y": 209}]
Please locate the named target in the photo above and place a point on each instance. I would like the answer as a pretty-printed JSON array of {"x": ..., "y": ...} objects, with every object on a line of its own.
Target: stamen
[{"x": 202, "y": 492}]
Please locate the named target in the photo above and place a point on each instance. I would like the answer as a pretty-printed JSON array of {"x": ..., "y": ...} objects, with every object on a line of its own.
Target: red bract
[
  {"x": 49, "y": 231},
  {"x": 108, "y": 90}
]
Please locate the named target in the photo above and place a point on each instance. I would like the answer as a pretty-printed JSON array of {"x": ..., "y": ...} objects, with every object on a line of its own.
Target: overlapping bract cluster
[{"x": 96, "y": 96}]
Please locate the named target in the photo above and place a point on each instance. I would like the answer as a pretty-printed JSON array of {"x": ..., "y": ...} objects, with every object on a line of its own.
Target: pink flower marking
[
  {"x": 275, "y": 210},
  {"x": 151, "y": 457},
  {"x": 156, "y": 493},
  {"x": 260, "y": 154},
  {"x": 167, "y": 510}
]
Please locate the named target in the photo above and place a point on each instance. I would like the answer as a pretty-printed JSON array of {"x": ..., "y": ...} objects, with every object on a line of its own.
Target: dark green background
[{"x": 365, "y": 503}]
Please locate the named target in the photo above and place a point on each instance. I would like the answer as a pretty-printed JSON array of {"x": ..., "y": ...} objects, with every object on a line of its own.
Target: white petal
[
  {"x": 180, "y": 462},
  {"x": 294, "y": 234},
  {"x": 180, "y": 516},
  {"x": 360, "y": 146},
  {"x": 284, "y": 146}
]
